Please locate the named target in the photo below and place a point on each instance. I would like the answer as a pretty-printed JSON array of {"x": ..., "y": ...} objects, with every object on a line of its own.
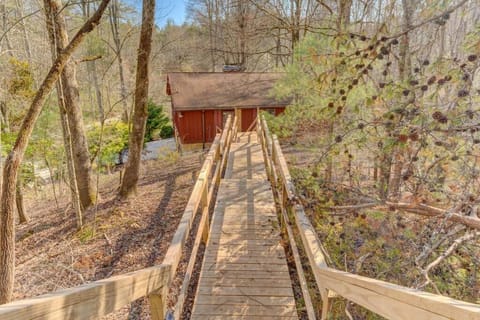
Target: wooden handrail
[
  {"x": 266, "y": 142},
  {"x": 102, "y": 297},
  {"x": 386, "y": 299},
  {"x": 91, "y": 300},
  {"x": 218, "y": 154}
]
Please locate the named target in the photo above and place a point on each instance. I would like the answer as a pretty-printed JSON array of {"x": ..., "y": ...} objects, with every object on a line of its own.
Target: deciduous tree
[
  {"x": 140, "y": 114},
  {"x": 15, "y": 157}
]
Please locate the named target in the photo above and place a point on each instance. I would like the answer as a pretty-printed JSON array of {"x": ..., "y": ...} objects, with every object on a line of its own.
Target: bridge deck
[{"x": 244, "y": 273}]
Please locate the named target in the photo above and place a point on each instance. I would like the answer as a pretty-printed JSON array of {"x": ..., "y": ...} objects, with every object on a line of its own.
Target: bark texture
[
  {"x": 55, "y": 23},
  {"x": 22, "y": 216},
  {"x": 15, "y": 157},
  {"x": 71, "y": 102},
  {"x": 140, "y": 113}
]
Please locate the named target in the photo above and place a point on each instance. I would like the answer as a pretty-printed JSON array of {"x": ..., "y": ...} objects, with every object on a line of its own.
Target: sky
[{"x": 165, "y": 10}]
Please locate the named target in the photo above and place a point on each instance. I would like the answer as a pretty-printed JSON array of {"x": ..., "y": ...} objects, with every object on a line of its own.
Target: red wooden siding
[
  {"x": 209, "y": 125},
  {"x": 279, "y": 110},
  {"x": 189, "y": 126}
]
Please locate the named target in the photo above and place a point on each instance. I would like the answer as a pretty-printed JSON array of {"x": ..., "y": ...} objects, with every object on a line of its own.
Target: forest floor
[{"x": 118, "y": 237}]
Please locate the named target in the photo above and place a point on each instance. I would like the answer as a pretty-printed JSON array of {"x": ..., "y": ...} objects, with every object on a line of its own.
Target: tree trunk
[
  {"x": 384, "y": 174},
  {"x": 242, "y": 14},
  {"x": 22, "y": 216},
  {"x": 114, "y": 25},
  {"x": 5, "y": 25},
  {"x": 92, "y": 71},
  {"x": 405, "y": 64},
  {"x": 295, "y": 16},
  {"x": 404, "y": 68},
  {"x": 69, "y": 89},
  {"x": 396, "y": 174},
  {"x": 344, "y": 10},
  {"x": 26, "y": 40},
  {"x": 55, "y": 24},
  {"x": 132, "y": 168},
  {"x": 5, "y": 118},
  {"x": 15, "y": 157}
]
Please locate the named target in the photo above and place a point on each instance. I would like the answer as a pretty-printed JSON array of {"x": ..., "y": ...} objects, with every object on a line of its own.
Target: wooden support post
[
  {"x": 238, "y": 115},
  {"x": 205, "y": 212},
  {"x": 218, "y": 163},
  {"x": 158, "y": 303},
  {"x": 326, "y": 302}
]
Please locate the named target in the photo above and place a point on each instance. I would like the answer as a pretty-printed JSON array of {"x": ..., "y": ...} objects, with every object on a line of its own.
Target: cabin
[{"x": 201, "y": 101}]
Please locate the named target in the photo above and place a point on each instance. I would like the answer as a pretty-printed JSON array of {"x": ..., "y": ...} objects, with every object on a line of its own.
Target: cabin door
[{"x": 248, "y": 117}]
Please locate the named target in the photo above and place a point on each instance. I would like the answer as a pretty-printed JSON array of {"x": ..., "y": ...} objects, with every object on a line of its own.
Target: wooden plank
[
  {"x": 242, "y": 217},
  {"x": 244, "y": 275},
  {"x": 249, "y": 210},
  {"x": 91, "y": 300},
  {"x": 244, "y": 207},
  {"x": 246, "y": 228},
  {"x": 247, "y": 259},
  {"x": 230, "y": 226},
  {"x": 250, "y": 282},
  {"x": 237, "y": 300},
  {"x": 247, "y": 225},
  {"x": 225, "y": 265},
  {"x": 253, "y": 255},
  {"x": 242, "y": 249},
  {"x": 250, "y": 238},
  {"x": 244, "y": 234},
  {"x": 245, "y": 242},
  {"x": 280, "y": 253},
  {"x": 228, "y": 317},
  {"x": 249, "y": 291},
  {"x": 245, "y": 310}
]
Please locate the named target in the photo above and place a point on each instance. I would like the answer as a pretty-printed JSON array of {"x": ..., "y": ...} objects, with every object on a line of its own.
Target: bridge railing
[
  {"x": 102, "y": 297},
  {"x": 386, "y": 299}
]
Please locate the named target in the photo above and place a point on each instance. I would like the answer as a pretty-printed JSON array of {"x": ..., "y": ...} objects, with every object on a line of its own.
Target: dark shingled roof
[{"x": 220, "y": 90}]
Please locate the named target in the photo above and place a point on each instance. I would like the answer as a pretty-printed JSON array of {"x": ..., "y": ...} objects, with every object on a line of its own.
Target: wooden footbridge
[{"x": 243, "y": 207}]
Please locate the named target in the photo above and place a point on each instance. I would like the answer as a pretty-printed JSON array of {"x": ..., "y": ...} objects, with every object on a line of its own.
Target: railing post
[
  {"x": 219, "y": 162},
  {"x": 326, "y": 301},
  {"x": 238, "y": 115},
  {"x": 158, "y": 303},
  {"x": 205, "y": 211}
]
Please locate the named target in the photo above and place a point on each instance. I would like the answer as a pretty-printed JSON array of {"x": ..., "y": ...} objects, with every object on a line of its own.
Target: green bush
[
  {"x": 156, "y": 122},
  {"x": 166, "y": 131},
  {"x": 114, "y": 140}
]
